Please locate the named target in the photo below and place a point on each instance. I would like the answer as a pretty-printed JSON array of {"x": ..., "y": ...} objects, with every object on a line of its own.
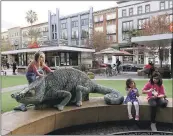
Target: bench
[{"x": 40, "y": 122}]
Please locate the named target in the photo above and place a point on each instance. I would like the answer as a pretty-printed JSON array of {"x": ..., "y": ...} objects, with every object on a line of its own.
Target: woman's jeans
[
  {"x": 31, "y": 77},
  {"x": 154, "y": 103}
]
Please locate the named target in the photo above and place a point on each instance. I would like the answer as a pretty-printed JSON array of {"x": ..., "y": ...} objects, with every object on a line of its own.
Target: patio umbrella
[
  {"x": 109, "y": 51},
  {"x": 114, "y": 52},
  {"x": 125, "y": 53}
]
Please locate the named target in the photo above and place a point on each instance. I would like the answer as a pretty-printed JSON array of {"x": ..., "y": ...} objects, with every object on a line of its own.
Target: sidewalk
[
  {"x": 10, "y": 73},
  {"x": 14, "y": 88}
]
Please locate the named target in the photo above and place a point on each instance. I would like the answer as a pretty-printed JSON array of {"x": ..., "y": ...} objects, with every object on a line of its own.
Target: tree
[
  {"x": 99, "y": 41},
  {"x": 34, "y": 34},
  {"x": 157, "y": 25},
  {"x": 5, "y": 45},
  {"x": 31, "y": 17}
]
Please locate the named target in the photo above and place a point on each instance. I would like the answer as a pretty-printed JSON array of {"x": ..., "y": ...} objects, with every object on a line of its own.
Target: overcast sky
[{"x": 13, "y": 12}]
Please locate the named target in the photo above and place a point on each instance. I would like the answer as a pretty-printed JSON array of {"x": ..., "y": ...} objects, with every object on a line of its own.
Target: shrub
[{"x": 91, "y": 75}]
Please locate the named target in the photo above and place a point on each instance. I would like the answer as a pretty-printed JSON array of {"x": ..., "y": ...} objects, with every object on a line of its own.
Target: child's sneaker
[
  {"x": 137, "y": 117},
  {"x": 130, "y": 117}
]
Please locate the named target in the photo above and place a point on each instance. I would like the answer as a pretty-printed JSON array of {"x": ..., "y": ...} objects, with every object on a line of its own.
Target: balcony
[
  {"x": 111, "y": 17},
  {"x": 111, "y": 32},
  {"x": 98, "y": 19}
]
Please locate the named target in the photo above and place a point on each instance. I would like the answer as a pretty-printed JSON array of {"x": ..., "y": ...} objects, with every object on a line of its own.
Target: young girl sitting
[
  {"x": 132, "y": 94},
  {"x": 35, "y": 69}
]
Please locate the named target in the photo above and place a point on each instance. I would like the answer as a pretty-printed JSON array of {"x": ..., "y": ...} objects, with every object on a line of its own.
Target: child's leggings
[{"x": 129, "y": 107}]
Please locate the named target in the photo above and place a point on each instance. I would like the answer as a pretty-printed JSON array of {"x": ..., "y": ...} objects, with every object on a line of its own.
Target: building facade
[
  {"x": 131, "y": 16},
  {"x": 70, "y": 31},
  {"x": 42, "y": 35},
  {"x": 14, "y": 37},
  {"x": 4, "y": 35},
  {"x": 106, "y": 21},
  {"x": 64, "y": 40}
]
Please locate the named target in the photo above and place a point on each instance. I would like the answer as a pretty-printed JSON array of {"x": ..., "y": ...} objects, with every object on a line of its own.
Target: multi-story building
[
  {"x": 106, "y": 21},
  {"x": 42, "y": 35},
  {"x": 14, "y": 37},
  {"x": 73, "y": 31},
  {"x": 4, "y": 35},
  {"x": 66, "y": 43},
  {"x": 131, "y": 15}
]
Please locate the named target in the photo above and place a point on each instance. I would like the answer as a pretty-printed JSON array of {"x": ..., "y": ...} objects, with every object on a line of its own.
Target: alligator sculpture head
[{"x": 32, "y": 94}]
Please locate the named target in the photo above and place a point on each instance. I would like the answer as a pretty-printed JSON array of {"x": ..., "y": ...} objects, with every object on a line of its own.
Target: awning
[
  {"x": 54, "y": 48},
  {"x": 151, "y": 39}
]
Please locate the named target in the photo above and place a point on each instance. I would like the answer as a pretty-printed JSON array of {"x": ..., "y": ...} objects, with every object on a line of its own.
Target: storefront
[
  {"x": 153, "y": 42},
  {"x": 54, "y": 56}
]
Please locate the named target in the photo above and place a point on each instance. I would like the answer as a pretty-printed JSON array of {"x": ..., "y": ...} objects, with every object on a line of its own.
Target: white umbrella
[{"x": 109, "y": 51}]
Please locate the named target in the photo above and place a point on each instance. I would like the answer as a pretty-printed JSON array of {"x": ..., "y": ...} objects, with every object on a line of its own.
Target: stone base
[{"x": 40, "y": 122}]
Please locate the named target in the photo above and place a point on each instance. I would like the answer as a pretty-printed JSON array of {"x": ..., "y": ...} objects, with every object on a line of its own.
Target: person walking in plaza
[
  {"x": 14, "y": 67},
  {"x": 35, "y": 69},
  {"x": 118, "y": 63},
  {"x": 131, "y": 99},
  {"x": 156, "y": 96}
]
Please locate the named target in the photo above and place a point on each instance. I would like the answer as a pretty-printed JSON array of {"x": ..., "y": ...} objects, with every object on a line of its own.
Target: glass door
[{"x": 57, "y": 61}]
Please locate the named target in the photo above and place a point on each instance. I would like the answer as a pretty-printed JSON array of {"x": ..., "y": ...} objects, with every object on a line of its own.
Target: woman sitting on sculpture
[
  {"x": 156, "y": 96},
  {"x": 35, "y": 69}
]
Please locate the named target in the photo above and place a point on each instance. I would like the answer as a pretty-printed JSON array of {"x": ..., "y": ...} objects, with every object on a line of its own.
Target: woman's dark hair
[
  {"x": 158, "y": 76},
  {"x": 128, "y": 82}
]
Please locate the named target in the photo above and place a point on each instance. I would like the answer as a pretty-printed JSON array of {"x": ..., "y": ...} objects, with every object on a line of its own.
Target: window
[
  {"x": 124, "y": 13},
  {"x": 98, "y": 18},
  {"x": 45, "y": 29},
  {"x": 171, "y": 18},
  {"x": 74, "y": 24},
  {"x": 130, "y": 11},
  {"x": 170, "y": 4},
  {"x": 111, "y": 29},
  {"x": 64, "y": 26},
  {"x": 162, "y": 5},
  {"x": 111, "y": 16},
  {"x": 55, "y": 35},
  {"x": 127, "y": 26},
  {"x": 147, "y": 8},
  {"x": 52, "y": 28},
  {"x": 75, "y": 34},
  {"x": 111, "y": 38},
  {"x": 141, "y": 22},
  {"x": 140, "y": 10},
  {"x": 84, "y": 22},
  {"x": 64, "y": 34},
  {"x": 85, "y": 33}
]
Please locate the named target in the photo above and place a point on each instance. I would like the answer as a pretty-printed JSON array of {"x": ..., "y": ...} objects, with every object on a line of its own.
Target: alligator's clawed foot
[
  {"x": 59, "y": 107},
  {"x": 22, "y": 107},
  {"x": 79, "y": 103}
]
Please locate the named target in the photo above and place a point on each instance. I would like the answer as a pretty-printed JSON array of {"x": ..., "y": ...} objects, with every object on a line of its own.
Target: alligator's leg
[
  {"x": 66, "y": 98},
  {"x": 79, "y": 90}
]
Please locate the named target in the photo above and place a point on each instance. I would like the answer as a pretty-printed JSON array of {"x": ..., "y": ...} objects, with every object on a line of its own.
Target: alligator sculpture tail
[{"x": 112, "y": 96}]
